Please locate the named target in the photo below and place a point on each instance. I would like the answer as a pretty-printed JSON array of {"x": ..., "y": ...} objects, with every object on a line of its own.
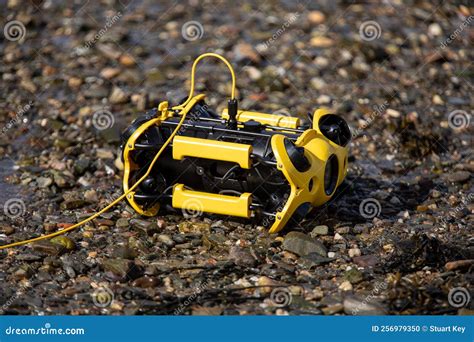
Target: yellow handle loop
[
  {"x": 147, "y": 173},
  {"x": 193, "y": 72}
]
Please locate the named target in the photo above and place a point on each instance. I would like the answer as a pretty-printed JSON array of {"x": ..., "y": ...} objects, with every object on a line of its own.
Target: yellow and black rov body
[{"x": 237, "y": 163}]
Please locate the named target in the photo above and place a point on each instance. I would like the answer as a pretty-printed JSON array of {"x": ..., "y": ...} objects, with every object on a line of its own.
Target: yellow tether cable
[
  {"x": 147, "y": 173},
  {"x": 193, "y": 71}
]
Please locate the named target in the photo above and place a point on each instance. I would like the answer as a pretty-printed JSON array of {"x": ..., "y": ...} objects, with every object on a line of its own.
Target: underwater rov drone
[{"x": 239, "y": 163}]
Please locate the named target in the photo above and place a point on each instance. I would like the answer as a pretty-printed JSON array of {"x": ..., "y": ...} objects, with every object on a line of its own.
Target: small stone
[
  {"x": 321, "y": 42},
  {"x": 104, "y": 153},
  {"x": 435, "y": 29},
  {"x": 23, "y": 272},
  {"x": 361, "y": 228},
  {"x": 354, "y": 305},
  {"x": 319, "y": 230},
  {"x": 437, "y": 100},
  {"x": 121, "y": 267},
  {"x": 353, "y": 252},
  {"x": 194, "y": 227},
  {"x": 459, "y": 264},
  {"x": 60, "y": 180},
  {"x": 338, "y": 236},
  {"x": 318, "y": 83},
  {"x": 393, "y": 113},
  {"x": 148, "y": 227},
  {"x": 302, "y": 244},
  {"x": 72, "y": 204},
  {"x": 343, "y": 230},
  {"x": 323, "y": 99},
  {"x": 267, "y": 284},
  {"x": 354, "y": 276},
  {"x": 312, "y": 260},
  {"x": 122, "y": 223},
  {"x": 253, "y": 73},
  {"x": 345, "y": 286},
  {"x": 91, "y": 196},
  {"x": 118, "y": 96},
  {"x": 369, "y": 260},
  {"x": 47, "y": 247},
  {"x": 459, "y": 176},
  {"x": 126, "y": 60},
  {"x": 7, "y": 230},
  {"x": 109, "y": 73},
  {"x": 63, "y": 241},
  {"x": 436, "y": 194},
  {"x": 242, "y": 256},
  {"x": 245, "y": 51},
  {"x": 80, "y": 166},
  {"x": 333, "y": 309},
  {"x": 166, "y": 239},
  {"x": 213, "y": 240},
  {"x": 316, "y": 17},
  {"x": 74, "y": 82},
  {"x": 124, "y": 252},
  {"x": 140, "y": 101},
  {"x": 331, "y": 254},
  {"x": 422, "y": 208},
  {"x": 146, "y": 282}
]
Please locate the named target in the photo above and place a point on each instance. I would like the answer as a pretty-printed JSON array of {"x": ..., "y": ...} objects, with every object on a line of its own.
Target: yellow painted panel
[
  {"x": 212, "y": 149},
  {"x": 211, "y": 203}
]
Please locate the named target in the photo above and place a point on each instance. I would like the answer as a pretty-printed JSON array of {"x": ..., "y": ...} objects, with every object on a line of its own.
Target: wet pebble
[{"x": 302, "y": 244}]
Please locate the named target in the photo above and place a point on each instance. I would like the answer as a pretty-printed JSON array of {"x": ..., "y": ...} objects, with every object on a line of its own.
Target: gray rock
[
  {"x": 354, "y": 276},
  {"x": 459, "y": 176},
  {"x": 44, "y": 182},
  {"x": 122, "y": 268},
  {"x": 124, "y": 252},
  {"x": 147, "y": 227},
  {"x": 319, "y": 230},
  {"x": 242, "y": 256},
  {"x": 122, "y": 223},
  {"x": 368, "y": 306},
  {"x": 312, "y": 260},
  {"x": 302, "y": 244},
  {"x": 166, "y": 239}
]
